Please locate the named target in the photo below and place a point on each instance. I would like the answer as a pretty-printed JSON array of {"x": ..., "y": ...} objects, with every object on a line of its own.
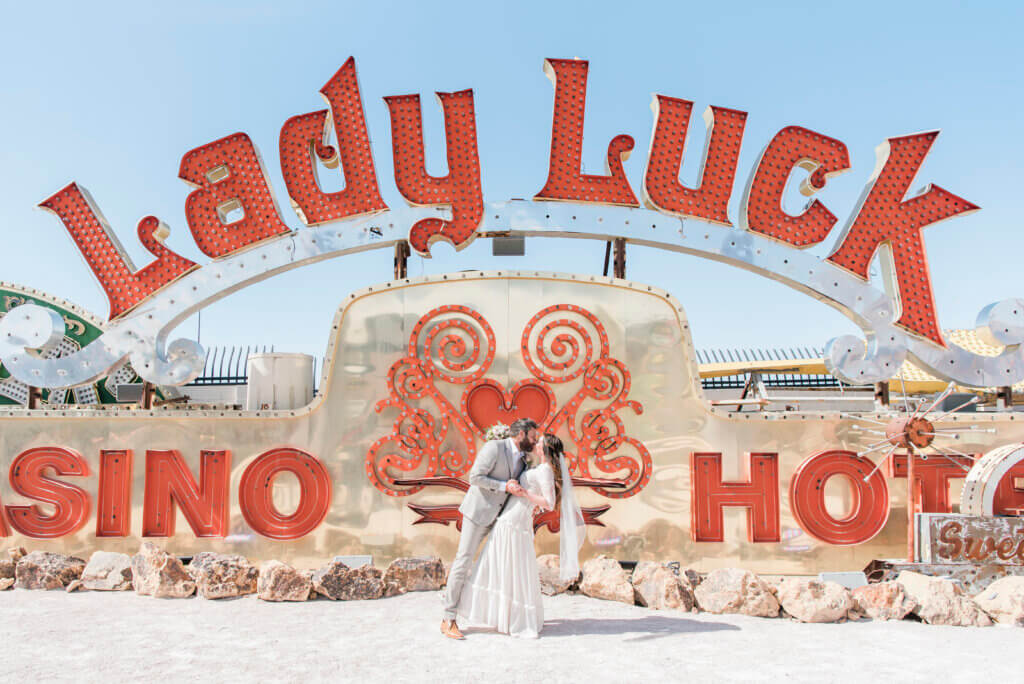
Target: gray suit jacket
[{"x": 496, "y": 463}]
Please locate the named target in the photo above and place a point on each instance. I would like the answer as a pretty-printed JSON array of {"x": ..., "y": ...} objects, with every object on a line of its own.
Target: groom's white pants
[{"x": 469, "y": 542}]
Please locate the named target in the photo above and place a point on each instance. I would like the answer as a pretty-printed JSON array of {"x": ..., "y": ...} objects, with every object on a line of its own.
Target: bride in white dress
[{"x": 504, "y": 590}]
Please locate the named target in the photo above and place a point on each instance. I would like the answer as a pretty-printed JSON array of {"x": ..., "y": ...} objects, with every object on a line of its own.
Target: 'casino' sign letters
[{"x": 170, "y": 485}]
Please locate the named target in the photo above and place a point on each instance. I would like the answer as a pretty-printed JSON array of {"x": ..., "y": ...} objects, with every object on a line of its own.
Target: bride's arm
[
  {"x": 540, "y": 501},
  {"x": 546, "y": 499}
]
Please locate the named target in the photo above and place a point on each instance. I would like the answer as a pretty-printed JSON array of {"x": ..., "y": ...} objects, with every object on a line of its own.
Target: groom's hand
[{"x": 514, "y": 488}]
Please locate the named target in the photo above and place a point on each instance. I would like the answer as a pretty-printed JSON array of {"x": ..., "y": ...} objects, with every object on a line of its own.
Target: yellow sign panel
[{"x": 416, "y": 372}]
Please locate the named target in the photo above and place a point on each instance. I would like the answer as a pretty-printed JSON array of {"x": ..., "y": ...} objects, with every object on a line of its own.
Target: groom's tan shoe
[{"x": 451, "y": 630}]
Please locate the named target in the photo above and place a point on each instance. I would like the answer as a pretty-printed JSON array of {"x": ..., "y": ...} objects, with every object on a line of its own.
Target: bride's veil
[{"x": 572, "y": 529}]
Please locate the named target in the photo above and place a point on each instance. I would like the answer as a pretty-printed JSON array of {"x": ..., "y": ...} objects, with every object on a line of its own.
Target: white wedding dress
[{"x": 504, "y": 590}]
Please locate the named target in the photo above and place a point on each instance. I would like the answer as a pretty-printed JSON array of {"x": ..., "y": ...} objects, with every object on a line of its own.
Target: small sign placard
[{"x": 949, "y": 538}]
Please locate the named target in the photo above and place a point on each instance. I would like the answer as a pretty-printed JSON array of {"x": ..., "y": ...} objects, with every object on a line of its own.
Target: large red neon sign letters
[
  {"x": 70, "y": 503},
  {"x": 124, "y": 286},
  {"x": 233, "y": 207},
  {"x": 885, "y": 217},
  {"x": 169, "y": 486},
  {"x": 710, "y": 199},
  {"x": 114, "y": 500},
  {"x": 256, "y": 488},
  {"x": 867, "y": 515},
  {"x": 460, "y": 188},
  {"x": 303, "y": 144},
  {"x": 760, "y": 496}
]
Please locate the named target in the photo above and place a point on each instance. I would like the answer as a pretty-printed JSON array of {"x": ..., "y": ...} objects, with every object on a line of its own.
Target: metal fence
[
  {"x": 752, "y": 356},
  {"x": 227, "y": 366}
]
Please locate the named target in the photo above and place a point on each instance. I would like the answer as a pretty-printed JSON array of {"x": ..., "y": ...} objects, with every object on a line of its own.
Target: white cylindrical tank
[{"x": 278, "y": 381}]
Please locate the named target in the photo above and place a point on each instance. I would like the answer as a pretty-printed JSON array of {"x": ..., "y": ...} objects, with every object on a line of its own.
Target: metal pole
[
  {"x": 401, "y": 260},
  {"x": 620, "y": 257},
  {"x": 911, "y": 501},
  {"x": 35, "y": 395},
  {"x": 882, "y": 394},
  {"x": 148, "y": 392},
  {"x": 607, "y": 256},
  {"x": 1004, "y": 397}
]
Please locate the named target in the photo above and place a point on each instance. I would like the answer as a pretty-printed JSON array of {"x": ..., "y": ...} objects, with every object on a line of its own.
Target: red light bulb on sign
[
  {"x": 794, "y": 147},
  {"x": 886, "y": 217},
  {"x": 460, "y": 188},
  {"x": 566, "y": 181},
  {"x": 229, "y": 177},
  {"x": 303, "y": 143},
  {"x": 662, "y": 189},
  {"x": 124, "y": 286}
]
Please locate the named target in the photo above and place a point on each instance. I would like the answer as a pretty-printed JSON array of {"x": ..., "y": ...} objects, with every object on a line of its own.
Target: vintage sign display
[
  {"x": 415, "y": 369},
  {"x": 80, "y": 329},
  {"x": 985, "y": 540},
  {"x": 234, "y": 218},
  {"x": 418, "y": 369}
]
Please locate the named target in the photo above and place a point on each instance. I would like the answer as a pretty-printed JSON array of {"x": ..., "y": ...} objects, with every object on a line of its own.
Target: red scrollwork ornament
[{"x": 434, "y": 444}]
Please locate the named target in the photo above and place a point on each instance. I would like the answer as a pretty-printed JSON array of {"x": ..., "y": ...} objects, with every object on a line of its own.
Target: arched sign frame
[{"x": 141, "y": 335}]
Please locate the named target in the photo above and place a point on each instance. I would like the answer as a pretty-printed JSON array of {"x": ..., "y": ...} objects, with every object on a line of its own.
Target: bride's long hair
[{"x": 554, "y": 450}]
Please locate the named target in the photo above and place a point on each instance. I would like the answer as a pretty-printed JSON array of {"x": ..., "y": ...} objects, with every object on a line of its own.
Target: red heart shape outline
[{"x": 487, "y": 402}]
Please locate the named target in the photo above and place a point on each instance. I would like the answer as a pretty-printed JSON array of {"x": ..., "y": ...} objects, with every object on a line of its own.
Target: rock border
[{"x": 653, "y": 585}]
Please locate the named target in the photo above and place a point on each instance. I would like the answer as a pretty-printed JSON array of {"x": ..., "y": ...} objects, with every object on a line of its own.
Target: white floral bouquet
[{"x": 496, "y": 431}]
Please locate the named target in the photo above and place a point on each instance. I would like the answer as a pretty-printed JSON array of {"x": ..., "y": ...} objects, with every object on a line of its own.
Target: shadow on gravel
[{"x": 645, "y": 628}]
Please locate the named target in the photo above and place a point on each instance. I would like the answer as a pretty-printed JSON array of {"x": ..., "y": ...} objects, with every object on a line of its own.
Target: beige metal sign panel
[{"x": 416, "y": 371}]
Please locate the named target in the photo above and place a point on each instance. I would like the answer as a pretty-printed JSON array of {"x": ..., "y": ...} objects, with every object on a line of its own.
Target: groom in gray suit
[{"x": 492, "y": 479}]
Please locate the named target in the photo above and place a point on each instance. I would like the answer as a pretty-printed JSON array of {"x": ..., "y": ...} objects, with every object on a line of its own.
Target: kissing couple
[{"x": 501, "y": 590}]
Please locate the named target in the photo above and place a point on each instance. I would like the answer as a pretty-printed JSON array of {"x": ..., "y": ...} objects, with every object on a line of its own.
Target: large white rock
[
  {"x": 414, "y": 574},
  {"x": 882, "y": 601},
  {"x": 551, "y": 582},
  {"x": 281, "y": 582},
  {"x": 940, "y": 601},
  {"x": 47, "y": 570},
  {"x": 222, "y": 575},
  {"x": 731, "y": 590},
  {"x": 338, "y": 582},
  {"x": 108, "y": 571},
  {"x": 159, "y": 574},
  {"x": 656, "y": 586},
  {"x": 811, "y": 600},
  {"x": 1003, "y": 600},
  {"x": 604, "y": 578}
]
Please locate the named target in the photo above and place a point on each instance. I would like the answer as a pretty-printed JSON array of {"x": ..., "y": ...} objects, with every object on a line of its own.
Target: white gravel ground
[{"x": 93, "y": 636}]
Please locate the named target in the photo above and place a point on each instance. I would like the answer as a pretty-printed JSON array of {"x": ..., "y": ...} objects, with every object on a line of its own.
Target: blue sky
[{"x": 112, "y": 95}]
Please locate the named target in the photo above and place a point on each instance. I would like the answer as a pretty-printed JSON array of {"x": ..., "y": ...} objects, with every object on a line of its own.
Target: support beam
[
  {"x": 913, "y": 497},
  {"x": 35, "y": 395},
  {"x": 1004, "y": 397},
  {"x": 620, "y": 258},
  {"x": 148, "y": 394},
  {"x": 882, "y": 395},
  {"x": 401, "y": 260}
]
